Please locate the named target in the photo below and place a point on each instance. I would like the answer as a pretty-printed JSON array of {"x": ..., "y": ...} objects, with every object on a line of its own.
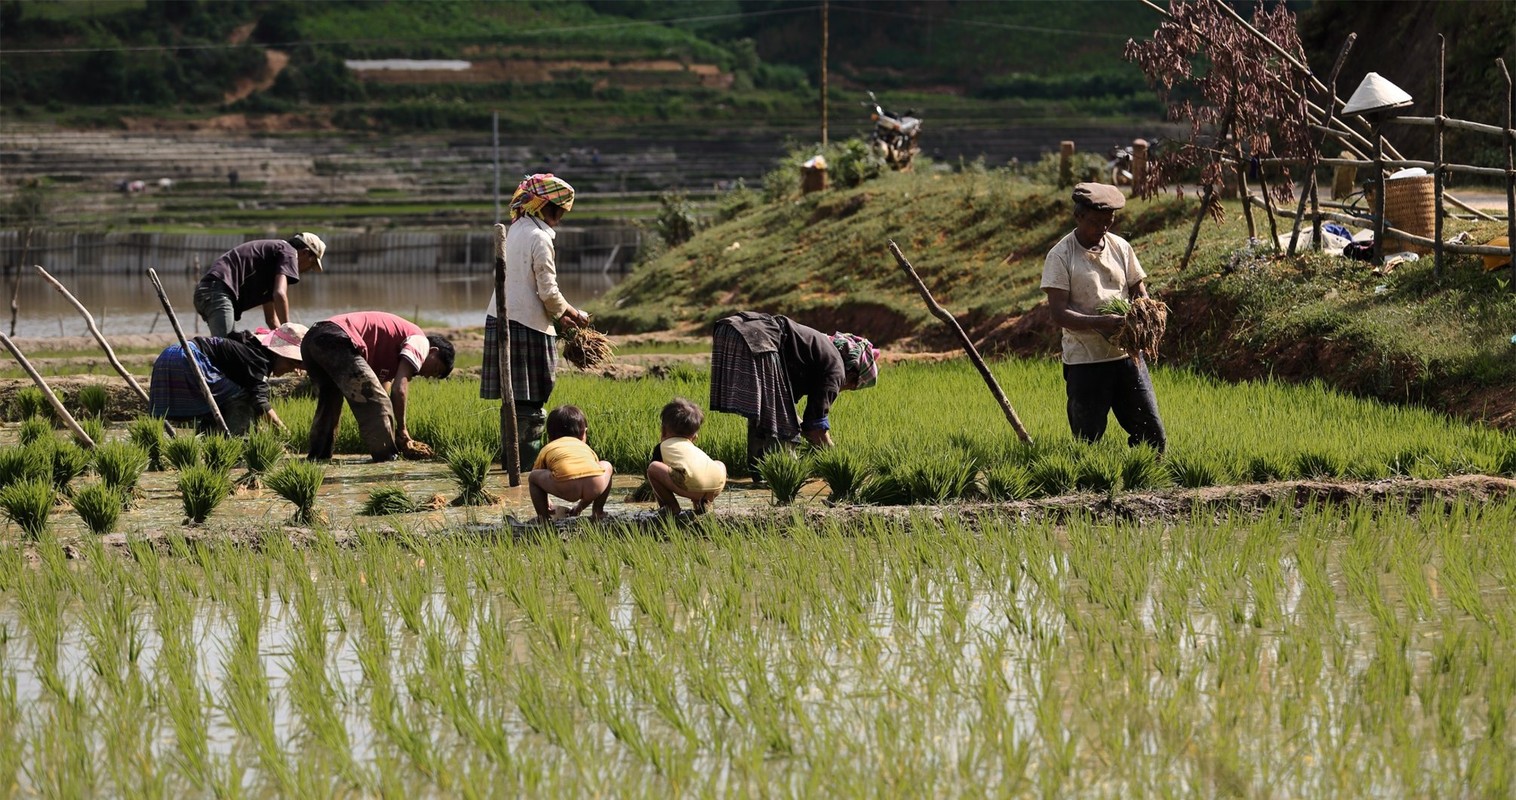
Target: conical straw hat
[{"x": 1376, "y": 94}]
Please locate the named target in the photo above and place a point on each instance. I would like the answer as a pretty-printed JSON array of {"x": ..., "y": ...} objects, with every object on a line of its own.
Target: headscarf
[
  {"x": 859, "y": 357},
  {"x": 537, "y": 191}
]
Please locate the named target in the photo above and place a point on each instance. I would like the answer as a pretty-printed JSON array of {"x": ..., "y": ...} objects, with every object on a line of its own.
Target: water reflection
[{"x": 126, "y": 304}]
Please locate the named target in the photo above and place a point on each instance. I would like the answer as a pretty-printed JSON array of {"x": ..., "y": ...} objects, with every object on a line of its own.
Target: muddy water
[{"x": 126, "y": 304}]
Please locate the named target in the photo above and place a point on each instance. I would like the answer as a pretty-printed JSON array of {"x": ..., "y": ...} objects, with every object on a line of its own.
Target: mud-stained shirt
[
  {"x": 383, "y": 339},
  {"x": 1091, "y": 277}
]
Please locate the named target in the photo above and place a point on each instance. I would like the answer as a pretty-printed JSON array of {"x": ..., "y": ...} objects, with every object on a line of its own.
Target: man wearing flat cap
[{"x": 1085, "y": 269}]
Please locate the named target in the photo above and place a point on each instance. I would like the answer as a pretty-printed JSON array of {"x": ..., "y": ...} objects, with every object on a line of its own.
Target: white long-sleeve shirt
[{"x": 531, "y": 276}]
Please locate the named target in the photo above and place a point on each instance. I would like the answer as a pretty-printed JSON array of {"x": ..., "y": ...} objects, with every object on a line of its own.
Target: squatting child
[
  {"x": 679, "y": 468},
  {"x": 567, "y": 468}
]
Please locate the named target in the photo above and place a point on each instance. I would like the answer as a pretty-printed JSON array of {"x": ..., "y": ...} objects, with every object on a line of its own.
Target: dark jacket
[
  {"x": 243, "y": 360},
  {"x": 811, "y": 362}
]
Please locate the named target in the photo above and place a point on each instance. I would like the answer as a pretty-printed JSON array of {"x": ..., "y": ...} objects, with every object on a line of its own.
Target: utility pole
[{"x": 825, "y": 38}]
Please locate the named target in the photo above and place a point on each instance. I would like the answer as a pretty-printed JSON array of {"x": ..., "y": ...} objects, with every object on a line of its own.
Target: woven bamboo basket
[{"x": 1410, "y": 204}]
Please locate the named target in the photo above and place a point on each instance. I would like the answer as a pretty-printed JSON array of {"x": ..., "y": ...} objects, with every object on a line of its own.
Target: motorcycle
[
  {"x": 1119, "y": 167},
  {"x": 894, "y": 137}
]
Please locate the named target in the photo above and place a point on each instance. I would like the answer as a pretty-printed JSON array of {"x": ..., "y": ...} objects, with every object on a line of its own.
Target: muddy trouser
[
  {"x": 531, "y": 425},
  {"x": 213, "y": 302},
  {"x": 338, "y": 371},
  {"x": 1122, "y": 386}
]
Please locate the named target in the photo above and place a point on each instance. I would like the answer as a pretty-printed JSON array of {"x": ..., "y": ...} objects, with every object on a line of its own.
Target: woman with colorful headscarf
[
  {"x": 762, "y": 364},
  {"x": 533, "y": 304}
]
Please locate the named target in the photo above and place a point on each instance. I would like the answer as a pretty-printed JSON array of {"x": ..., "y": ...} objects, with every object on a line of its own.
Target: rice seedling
[
  {"x": 99, "y": 505},
  {"x": 934, "y": 481},
  {"x": 201, "y": 489},
  {"x": 28, "y": 504},
  {"x": 841, "y": 469},
  {"x": 1265, "y": 468},
  {"x": 28, "y": 403},
  {"x": 1054, "y": 474},
  {"x": 298, "y": 482},
  {"x": 34, "y": 429},
  {"x": 91, "y": 399},
  {"x": 1319, "y": 465},
  {"x": 1007, "y": 482},
  {"x": 183, "y": 451},
  {"x": 785, "y": 471},
  {"x": 147, "y": 433},
  {"x": 386, "y": 500},
  {"x": 69, "y": 462},
  {"x": 25, "y": 463},
  {"x": 221, "y": 453},
  {"x": 883, "y": 489},
  {"x": 586, "y": 348},
  {"x": 470, "y": 465},
  {"x": 263, "y": 451},
  {"x": 1142, "y": 470},
  {"x": 1192, "y": 471},
  {"x": 120, "y": 465},
  {"x": 93, "y": 427}
]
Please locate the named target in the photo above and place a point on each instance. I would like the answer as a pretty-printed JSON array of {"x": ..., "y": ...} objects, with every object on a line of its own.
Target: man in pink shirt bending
[{"x": 354, "y": 356}]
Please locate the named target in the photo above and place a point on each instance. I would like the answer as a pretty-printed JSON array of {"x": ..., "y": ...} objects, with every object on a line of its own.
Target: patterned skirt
[
  {"x": 753, "y": 386},
  {"x": 534, "y": 363},
  {"x": 173, "y": 392}
]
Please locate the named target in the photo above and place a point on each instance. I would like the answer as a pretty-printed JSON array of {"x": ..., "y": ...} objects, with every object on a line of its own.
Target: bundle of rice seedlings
[
  {"x": 586, "y": 347},
  {"x": 221, "y": 452},
  {"x": 262, "y": 453},
  {"x": 1143, "y": 330},
  {"x": 936, "y": 480},
  {"x": 1008, "y": 482},
  {"x": 1319, "y": 466},
  {"x": 25, "y": 463},
  {"x": 1192, "y": 472},
  {"x": 69, "y": 462},
  {"x": 28, "y": 504},
  {"x": 30, "y": 402},
  {"x": 147, "y": 433},
  {"x": 1141, "y": 469},
  {"x": 183, "y": 451},
  {"x": 92, "y": 400},
  {"x": 470, "y": 465},
  {"x": 202, "y": 489},
  {"x": 99, "y": 505},
  {"x": 1053, "y": 474},
  {"x": 882, "y": 489},
  {"x": 120, "y": 465},
  {"x": 387, "y": 500},
  {"x": 842, "y": 471},
  {"x": 1265, "y": 469},
  {"x": 93, "y": 427},
  {"x": 298, "y": 482},
  {"x": 785, "y": 471},
  {"x": 34, "y": 429}
]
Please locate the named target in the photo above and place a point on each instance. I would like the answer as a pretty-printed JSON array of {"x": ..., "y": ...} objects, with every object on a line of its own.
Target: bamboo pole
[
  {"x": 1342, "y": 57},
  {"x": 1510, "y": 177},
  {"x": 68, "y": 419},
  {"x": 1379, "y": 183},
  {"x": 1437, "y": 173},
  {"x": 189, "y": 356},
  {"x": 1462, "y": 249},
  {"x": 510, "y": 450},
  {"x": 1210, "y": 188},
  {"x": 94, "y": 330},
  {"x": 1493, "y": 172},
  {"x": 1268, "y": 207},
  {"x": 26, "y": 249},
  {"x": 1456, "y": 124},
  {"x": 963, "y": 338},
  {"x": 1242, "y": 185}
]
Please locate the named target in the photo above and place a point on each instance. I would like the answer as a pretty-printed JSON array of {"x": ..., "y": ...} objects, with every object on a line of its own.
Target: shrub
[
  {"x": 99, "y": 505},
  {"x": 841, "y": 469},
  {"x": 202, "y": 489},
  {"x": 298, "y": 482},
  {"x": 470, "y": 465},
  {"x": 387, "y": 500},
  {"x": 28, "y": 504},
  {"x": 221, "y": 452},
  {"x": 785, "y": 471},
  {"x": 120, "y": 465},
  {"x": 92, "y": 400},
  {"x": 30, "y": 402},
  {"x": 34, "y": 429},
  {"x": 147, "y": 433},
  {"x": 183, "y": 451}
]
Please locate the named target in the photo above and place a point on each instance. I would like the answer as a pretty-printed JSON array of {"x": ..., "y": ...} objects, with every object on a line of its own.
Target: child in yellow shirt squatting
[
  {"x": 679, "y": 468},
  {"x": 567, "y": 468}
]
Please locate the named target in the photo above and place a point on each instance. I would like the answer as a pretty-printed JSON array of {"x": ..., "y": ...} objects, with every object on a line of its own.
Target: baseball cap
[{"x": 314, "y": 244}]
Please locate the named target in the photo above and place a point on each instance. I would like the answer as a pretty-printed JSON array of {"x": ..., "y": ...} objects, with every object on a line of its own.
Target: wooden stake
[
  {"x": 1379, "y": 181},
  {"x": 510, "y": 449},
  {"x": 1510, "y": 174},
  {"x": 189, "y": 356},
  {"x": 968, "y": 346},
  {"x": 1342, "y": 57},
  {"x": 1437, "y": 178},
  {"x": 89, "y": 320},
  {"x": 1210, "y": 189},
  {"x": 68, "y": 419}
]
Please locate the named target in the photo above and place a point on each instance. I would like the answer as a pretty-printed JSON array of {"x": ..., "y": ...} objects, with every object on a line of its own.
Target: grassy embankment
[{"x": 978, "y": 239}]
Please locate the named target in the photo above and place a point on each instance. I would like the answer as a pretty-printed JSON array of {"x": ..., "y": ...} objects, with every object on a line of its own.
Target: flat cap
[{"x": 1099, "y": 196}]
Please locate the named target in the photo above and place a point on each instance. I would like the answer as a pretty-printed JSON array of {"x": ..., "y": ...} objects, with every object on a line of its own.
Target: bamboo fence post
[
  {"x": 1210, "y": 188},
  {"x": 968, "y": 345},
  {"x": 94, "y": 330},
  {"x": 1342, "y": 57},
  {"x": 1437, "y": 179},
  {"x": 1379, "y": 184},
  {"x": 510, "y": 451},
  {"x": 189, "y": 356},
  {"x": 68, "y": 419},
  {"x": 1247, "y": 195},
  {"x": 1510, "y": 174}
]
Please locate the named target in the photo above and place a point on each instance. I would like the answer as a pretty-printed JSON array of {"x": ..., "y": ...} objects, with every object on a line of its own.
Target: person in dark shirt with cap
[
  {"x": 1085, "y": 269},
  {"x": 253, "y": 274}
]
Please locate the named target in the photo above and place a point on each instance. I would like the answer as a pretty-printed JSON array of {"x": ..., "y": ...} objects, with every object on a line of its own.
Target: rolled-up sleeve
[{"x": 545, "y": 269}]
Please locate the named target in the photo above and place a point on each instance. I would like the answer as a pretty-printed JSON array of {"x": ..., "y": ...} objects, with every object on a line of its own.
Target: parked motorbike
[
  {"x": 1119, "y": 167},
  {"x": 894, "y": 137}
]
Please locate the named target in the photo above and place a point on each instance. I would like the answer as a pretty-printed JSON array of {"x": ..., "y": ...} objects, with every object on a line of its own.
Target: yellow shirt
[
  {"x": 1091, "y": 278},
  {"x": 692, "y": 470},
  {"x": 569, "y": 458}
]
